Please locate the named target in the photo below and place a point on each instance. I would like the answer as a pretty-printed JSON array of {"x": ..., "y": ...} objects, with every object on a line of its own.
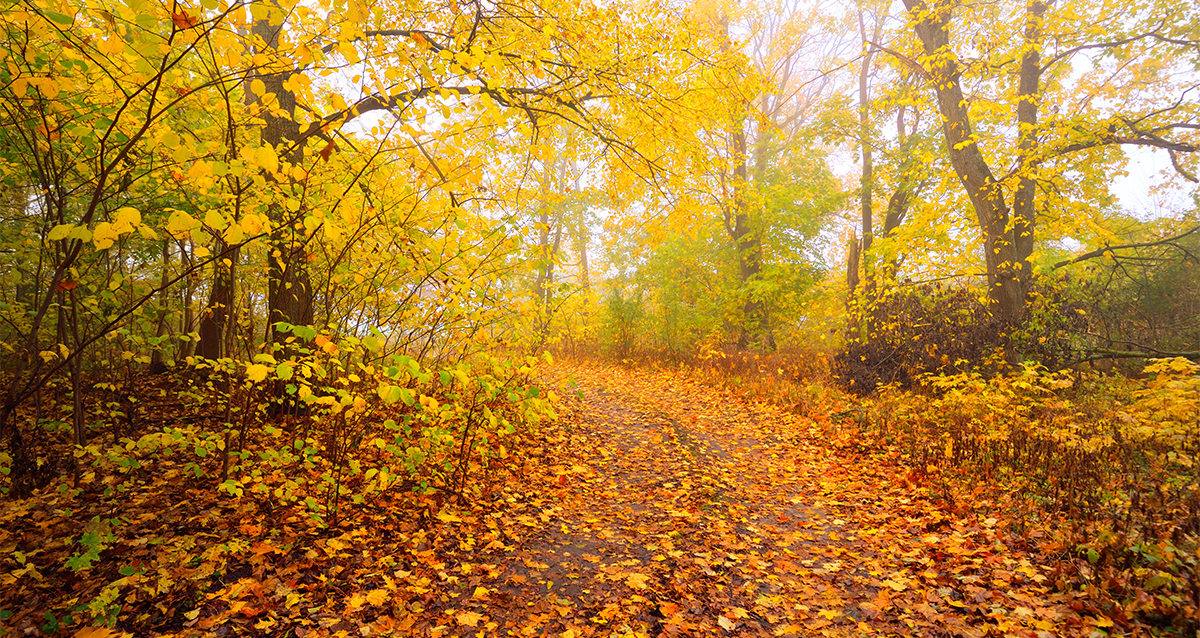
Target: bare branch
[{"x": 1100, "y": 252}]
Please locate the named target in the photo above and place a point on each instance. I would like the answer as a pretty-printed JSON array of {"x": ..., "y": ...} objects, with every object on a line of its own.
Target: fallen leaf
[{"x": 468, "y": 618}]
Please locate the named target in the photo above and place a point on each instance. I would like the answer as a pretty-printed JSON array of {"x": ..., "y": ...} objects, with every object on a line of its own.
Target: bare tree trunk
[
  {"x": 747, "y": 239},
  {"x": 231, "y": 319},
  {"x": 188, "y": 319},
  {"x": 215, "y": 316}
]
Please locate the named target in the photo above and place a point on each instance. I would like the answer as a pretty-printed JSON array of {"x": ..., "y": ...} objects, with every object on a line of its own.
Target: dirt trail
[
  {"x": 686, "y": 512},
  {"x": 682, "y": 510}
]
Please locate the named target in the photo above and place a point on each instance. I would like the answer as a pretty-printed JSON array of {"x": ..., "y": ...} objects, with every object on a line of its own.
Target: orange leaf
[
  {"x": 95, "y": 632},
  {"x": 468, "y": 618},
  {"x": 182, "y": 20}
]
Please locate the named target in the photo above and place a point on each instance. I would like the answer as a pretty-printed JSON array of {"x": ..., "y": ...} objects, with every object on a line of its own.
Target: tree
[{"x": 1012, "y": 170}]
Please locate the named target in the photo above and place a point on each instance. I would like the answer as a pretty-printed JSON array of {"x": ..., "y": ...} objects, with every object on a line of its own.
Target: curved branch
[{"x": 1099, "y": 252}]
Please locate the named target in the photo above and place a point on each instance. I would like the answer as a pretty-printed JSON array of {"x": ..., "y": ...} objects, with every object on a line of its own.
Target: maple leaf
[
  {"x": 377, "y": 597},
  {"x": 183, "y": 20},
  {"x": 468, "y": 618},
  {"x": 637, "y": 581}
]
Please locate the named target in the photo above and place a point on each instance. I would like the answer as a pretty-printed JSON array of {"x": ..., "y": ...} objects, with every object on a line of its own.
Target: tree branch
[{"x": 1099, "y": 252}]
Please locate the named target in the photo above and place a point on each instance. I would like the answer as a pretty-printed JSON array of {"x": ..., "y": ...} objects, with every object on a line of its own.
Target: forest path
[
  {"x": 677, "y": 509},
  {"x": 653, "y": 506}
]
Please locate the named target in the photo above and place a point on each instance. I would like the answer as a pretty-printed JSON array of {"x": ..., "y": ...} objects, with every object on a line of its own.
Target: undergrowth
[{"x": 1100, "y": 473}]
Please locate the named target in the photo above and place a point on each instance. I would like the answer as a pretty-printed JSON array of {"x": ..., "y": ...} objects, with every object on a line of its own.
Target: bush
[
  {"x": 926, "y": 329},
  {"x": 932, "y": 329}
]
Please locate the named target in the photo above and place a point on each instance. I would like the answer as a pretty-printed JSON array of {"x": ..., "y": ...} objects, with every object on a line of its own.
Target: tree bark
[
  {"x": 931, "y": 22},
  {"x": 156, "y": 357},
  {"x": 289, "y": 288},
  {"x": 747, "y": 239},
  {"x": 215, "y": 316},
  {"x": 1024, "y": 208}
]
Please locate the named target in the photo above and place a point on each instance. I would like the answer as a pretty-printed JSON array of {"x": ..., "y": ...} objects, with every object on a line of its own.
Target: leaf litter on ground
[{"x": 656, "y": 506}]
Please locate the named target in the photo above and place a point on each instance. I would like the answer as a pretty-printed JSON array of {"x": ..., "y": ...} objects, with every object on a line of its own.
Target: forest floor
[{"x": 654, "y": 506}]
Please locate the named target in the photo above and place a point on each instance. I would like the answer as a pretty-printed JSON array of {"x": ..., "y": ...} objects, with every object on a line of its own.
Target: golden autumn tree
[{"x": 1030, "y": 92}]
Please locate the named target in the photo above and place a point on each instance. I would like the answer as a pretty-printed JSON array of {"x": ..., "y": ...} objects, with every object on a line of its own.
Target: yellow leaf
[
  {"x": 60, "y": 232},
  {"x": 257, "y": 87},
  {"x": 356, "y": 601},
  {"x": 481, "y": 593},
  {"x": 126, "y": 219},
  {"x": 448, "y": 518},
  {"x": 265, "y": 157},
  {"x": 215, "y": 220},
  {"x": 637, "y": 581},
  {"x": 96, "y": 632},
  {"x": 234, "y": 234},
  {"x": 104, "y": 235},
  {"x": 257, "y": 372},
  {"x": 377, "y": 596},
  {"x": 251, "y": 224},
  {"x": 180, "y": 224},
  {"x": 824, "y": 613},
  {"x": 468, "y": 618}
]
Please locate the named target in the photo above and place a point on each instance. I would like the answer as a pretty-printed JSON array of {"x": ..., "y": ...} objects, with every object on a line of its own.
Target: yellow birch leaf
[
  {"x": 251, "y": 224},
  {"x": 215, "y": 220},
  {"x": 126, "y": 219},
  {"x": 180, "y": 224},
  {"x": 103, "y": 235},
  {"x": 60, "y": 232},
  {"x": 265, "y": 158}
]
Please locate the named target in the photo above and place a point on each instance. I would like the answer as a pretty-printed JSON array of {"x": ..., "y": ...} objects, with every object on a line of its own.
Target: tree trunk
[
  {"x": 1024, "y": 209},
  {"x": 156, "y": 356},
  {"x": 215, "y": 316},
  {"x": 986, "y": 193},
  {"x": 747, "y": 240},
  {"x": 186, "y": 345},
  {"x": 289, "y": 289}
]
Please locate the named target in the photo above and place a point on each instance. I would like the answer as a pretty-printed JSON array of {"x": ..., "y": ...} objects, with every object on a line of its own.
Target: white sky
[{"x": 1148, "y": 190}]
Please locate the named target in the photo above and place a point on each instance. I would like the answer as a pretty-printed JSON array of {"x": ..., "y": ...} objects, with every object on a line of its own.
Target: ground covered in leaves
[{"x": 655, "y": 506}]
